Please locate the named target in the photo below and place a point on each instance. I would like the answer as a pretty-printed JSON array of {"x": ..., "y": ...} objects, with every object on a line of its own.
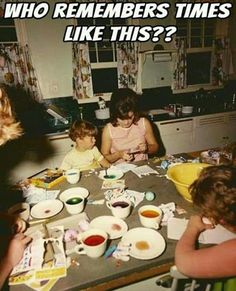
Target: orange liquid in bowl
[{"x": 150, "y": 213}]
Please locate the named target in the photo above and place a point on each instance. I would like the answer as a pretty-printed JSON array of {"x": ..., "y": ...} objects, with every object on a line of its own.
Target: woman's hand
[
  {"x": 142, "y": 147},
  {"x": 126, "y": 156}
]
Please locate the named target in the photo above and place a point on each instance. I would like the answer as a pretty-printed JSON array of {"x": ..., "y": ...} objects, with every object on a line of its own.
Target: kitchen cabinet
[
  {"x": 198, "y": 133},
  {"x": 215, "y": 130},
  {"x": 177, "y": 135},
  {"x": 37, "y": 154}
]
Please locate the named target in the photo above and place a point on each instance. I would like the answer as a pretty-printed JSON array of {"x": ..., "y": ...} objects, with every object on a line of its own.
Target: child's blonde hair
[
  {"x": 82, "y": 128},
  {"x": 9, "y": 127}
]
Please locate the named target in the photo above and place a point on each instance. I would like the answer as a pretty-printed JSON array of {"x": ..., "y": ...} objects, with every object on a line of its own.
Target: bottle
[
  {"x": 101, "y": 103},
  {"x": 81, "y": 116}
]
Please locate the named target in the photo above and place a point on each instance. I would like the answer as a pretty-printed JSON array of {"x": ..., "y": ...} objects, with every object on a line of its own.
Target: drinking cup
[
  {"x": 92, "y": 242},
  {"x": 120, "y": 207},
  {"x": 72, "y": 176},
  {"x": 150, "y": 216},
  {"x": 74, "y": 204},
  {"x": 21, "y": 210}
]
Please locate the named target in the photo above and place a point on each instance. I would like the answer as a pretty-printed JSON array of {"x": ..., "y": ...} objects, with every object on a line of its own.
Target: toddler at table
[
  {"x": 85, "y": 155},
  {"x": 215, "y": 194}
]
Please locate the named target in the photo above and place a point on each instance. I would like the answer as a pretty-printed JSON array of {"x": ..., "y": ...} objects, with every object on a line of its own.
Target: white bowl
[
  {"x": 74, "y": 192},
  {"x": 102, "y": 113},
  {"x": 187, "y": 109}
]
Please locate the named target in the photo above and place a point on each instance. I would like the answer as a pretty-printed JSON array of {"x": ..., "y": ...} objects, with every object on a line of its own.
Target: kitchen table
[{"x": 106, "y": 273}]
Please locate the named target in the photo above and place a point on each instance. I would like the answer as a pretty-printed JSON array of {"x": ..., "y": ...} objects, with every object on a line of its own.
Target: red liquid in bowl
[{"x": 94, "y": 240}]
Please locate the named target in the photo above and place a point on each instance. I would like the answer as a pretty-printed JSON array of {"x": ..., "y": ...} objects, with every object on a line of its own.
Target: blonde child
[{"x": 85, "y": 155}]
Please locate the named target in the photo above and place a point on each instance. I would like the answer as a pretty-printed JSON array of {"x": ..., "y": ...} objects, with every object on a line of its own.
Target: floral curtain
[
  {"x": 222, "y": 61},
  {"x": 127, "y": 65},
  {"x": 82, "y": 77},
  {"x": 180, "y": 65},
  {"x": 16, "y": 68}
]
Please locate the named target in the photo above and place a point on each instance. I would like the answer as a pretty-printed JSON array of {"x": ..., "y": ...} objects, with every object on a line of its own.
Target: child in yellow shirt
[{"x": 85, "y": 155}]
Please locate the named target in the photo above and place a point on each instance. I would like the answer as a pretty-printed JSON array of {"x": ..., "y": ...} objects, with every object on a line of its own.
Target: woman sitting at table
[
  {"x": 128, "y": 137},
  {"x": 215, "y": 194},
  {"x": 12, "y": 240}
]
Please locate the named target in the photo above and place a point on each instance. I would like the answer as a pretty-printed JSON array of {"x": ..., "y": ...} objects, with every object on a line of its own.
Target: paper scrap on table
[
  {"x": 134, "y": 196},
  {"x": 112, "y": 184},
  {"x": 144, "y": 170},
  {"x": 177, "y": 226},
  {"x": 125, "y": 167},
  {"x": 33, "y": 194},
  {"x": 168, "y": 210}
]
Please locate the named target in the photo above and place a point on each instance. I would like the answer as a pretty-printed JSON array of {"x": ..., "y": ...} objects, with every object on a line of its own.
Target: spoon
[{"x": 106, "y": 176}]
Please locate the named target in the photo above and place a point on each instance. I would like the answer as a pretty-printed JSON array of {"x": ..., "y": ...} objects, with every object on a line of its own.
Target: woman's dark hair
[
  {"x": 122, "y": 102},
  {"x": 214, "y": 192},
  {"x": 82, "y": 128}
]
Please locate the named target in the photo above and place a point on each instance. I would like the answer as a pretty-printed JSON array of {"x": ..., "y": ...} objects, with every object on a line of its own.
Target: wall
[{"x": 51, "y": 57}]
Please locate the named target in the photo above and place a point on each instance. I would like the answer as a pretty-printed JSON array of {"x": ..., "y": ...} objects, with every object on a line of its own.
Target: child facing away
[
  {"x": 214, "y": 192},
  {"x": 85, "y": 155}
]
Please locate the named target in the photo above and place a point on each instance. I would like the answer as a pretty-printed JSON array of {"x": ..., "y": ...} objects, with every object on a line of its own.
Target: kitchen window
[
  {"x": 199, "y": 35},
  {"x": 103, "y": 57}
]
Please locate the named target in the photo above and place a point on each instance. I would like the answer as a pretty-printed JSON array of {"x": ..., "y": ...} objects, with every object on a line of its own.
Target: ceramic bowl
[{"x": 183, "y": 175}]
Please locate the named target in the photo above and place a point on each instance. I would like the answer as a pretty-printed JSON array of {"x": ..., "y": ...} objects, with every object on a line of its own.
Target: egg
[{"x": 150, "y": 196}]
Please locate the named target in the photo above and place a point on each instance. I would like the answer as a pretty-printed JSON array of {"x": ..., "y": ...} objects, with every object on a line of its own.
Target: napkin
[
  {"x": 122, "y": 252},
  {"x": 168, "y": 212},
  {"x": 134, "y": 196},
  {"x": 217, "y": 235}
]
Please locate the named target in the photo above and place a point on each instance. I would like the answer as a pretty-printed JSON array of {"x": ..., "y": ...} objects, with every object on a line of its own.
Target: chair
[{"x": 189, "y": 283}]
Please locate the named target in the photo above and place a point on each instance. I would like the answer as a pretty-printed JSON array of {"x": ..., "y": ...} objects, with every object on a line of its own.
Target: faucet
[{"x": 54, "y": 111}]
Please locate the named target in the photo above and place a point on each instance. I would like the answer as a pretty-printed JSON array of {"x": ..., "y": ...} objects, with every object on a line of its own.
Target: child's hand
[
  {"x": 16, "y": 249},
  {"x": 19, "y": 225},
  {"x": 197, "y": 225}
]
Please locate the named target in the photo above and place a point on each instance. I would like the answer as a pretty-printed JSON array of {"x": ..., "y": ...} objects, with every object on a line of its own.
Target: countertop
[
  {"x": 105, "y": 274},
  {"x": 154, "y": 118}
]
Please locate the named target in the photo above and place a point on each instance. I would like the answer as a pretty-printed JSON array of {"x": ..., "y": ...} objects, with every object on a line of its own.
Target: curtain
[
  {"x": 127, "y": 65},
  {"x": 82, "y": 77},
  {"x": 180, "y": 65},
  {"x": 222, "y": 61},
  {"x": 16, "y": 68}
]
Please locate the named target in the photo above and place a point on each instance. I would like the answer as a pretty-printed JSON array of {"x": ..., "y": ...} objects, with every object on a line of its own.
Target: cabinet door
[
  {"x": 177, "y": 135},
  {"x": 211, "y": 131},
  {"x": 61, "y": 146}
]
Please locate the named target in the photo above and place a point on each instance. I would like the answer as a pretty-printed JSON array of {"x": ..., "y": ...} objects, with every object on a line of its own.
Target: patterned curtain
[
  {"x": 222, "y": 61},
  {"x": 127, "y": 65},
  {"x": 180, "y": 65},
  {"x": 82, "y": 78},
  {"x": 16, "y": 68}
]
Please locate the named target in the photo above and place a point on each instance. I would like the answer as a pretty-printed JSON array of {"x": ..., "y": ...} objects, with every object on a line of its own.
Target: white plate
[
  {"x": 74, "y": 192},
  {"x": 146, "y": 243},
  {"x": 115, "y": 174},
  {"x": 115, "y": 227},
  {"x": 46, "y": 208}
]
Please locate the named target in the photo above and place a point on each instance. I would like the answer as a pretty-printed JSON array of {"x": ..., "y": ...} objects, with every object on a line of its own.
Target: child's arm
[
  {"x": 104, "y": 163},
  {"x": 211, "y": 262},
  {"x": 14, "y": 254}
]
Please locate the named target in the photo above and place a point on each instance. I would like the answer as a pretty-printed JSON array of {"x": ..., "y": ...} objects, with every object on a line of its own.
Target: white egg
[{"x": 150, "y": 196}]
